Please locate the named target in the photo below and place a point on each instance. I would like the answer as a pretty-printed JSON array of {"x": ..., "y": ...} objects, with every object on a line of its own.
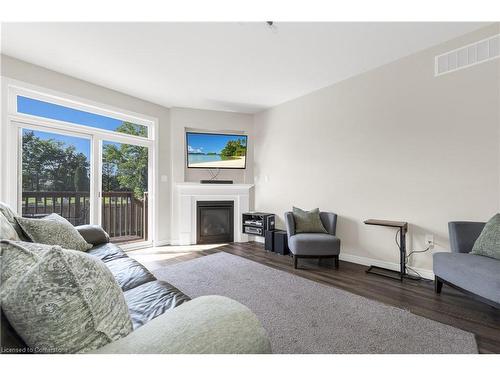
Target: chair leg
[
  {"x": 336, "y": 260},
  {"x": 295, "y": 261},
  {"x": 438, "y": 285}
]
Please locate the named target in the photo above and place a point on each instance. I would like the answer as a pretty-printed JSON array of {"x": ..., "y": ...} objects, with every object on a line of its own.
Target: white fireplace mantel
[{"x": 189, "y": 193}]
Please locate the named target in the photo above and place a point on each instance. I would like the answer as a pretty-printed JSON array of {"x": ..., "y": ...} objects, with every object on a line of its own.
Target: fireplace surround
[{"x": 186, "y": 196}]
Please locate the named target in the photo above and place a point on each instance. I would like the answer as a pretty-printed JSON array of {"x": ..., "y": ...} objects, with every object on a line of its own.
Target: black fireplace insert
[{"x": 214, "y": 222}]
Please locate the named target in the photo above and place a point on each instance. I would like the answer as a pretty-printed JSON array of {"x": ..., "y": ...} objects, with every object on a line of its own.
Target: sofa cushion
[
  {"x": 53, "y": 230},
  {"x": 318, "y": 244},
  {"x": 149, "y": 300},
  {"x": 488, "y": 242},
  {"x": 146, "y": 297},
  {"x": 66, "y": 302},
  {"x": 129, "y": 273},
  {"x": 474, "y": 273},
  {"x": 308, "y": 221},
  {"x": 107, "y": 252}
]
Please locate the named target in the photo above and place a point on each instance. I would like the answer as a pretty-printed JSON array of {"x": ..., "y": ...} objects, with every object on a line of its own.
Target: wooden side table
[{"x": 402, "y": 227}]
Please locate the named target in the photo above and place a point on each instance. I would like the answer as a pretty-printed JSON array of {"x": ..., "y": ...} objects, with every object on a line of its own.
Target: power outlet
[{"x": 429, "y": 240}]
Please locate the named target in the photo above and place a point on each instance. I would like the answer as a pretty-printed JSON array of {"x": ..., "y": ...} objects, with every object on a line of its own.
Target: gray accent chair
[
  {"x": 472, "y": 274},
  {"x": 314, "y": 245}
]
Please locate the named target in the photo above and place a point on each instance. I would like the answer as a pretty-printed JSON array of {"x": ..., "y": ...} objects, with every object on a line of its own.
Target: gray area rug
[{"x": 302, "y": 316}]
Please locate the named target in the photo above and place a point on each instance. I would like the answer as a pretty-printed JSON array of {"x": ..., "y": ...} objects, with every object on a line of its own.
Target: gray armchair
[
  {"x": 314, "y": 245},
  {"x": 469, "y": 273}
]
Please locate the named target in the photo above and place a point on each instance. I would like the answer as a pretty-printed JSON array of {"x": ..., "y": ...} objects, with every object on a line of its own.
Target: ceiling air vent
[{"x": 472, "y": 54}]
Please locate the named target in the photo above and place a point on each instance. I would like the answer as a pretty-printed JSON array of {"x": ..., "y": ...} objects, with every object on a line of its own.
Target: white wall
[
  {"x": 393, "y": 143},
  {"x": 206, "y": 120},
  {"x": 39, "y": 76}
]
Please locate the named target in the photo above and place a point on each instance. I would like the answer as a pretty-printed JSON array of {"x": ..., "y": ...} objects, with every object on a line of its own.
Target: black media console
[{"x": 257, "y": 223}]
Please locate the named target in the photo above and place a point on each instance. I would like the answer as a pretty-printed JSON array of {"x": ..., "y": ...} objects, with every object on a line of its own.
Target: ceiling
[{"x": 241, "y": 66}]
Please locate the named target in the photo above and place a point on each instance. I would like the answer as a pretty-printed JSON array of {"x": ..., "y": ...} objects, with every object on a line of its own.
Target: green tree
[
  {"x": 125, "y": 167},
  {"x": 53, "y": 166},
  {"x": 234, "y": 149},
  {"x": 110, "y": 157},
  {"x": 81, "y": 179}
]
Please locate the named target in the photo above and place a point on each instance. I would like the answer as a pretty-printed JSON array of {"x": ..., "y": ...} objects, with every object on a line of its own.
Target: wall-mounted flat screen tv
[{"x": 210, "y": 150}]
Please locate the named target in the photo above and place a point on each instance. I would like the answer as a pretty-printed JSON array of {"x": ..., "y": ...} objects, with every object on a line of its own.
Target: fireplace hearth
[{"x": 215, "y": 222}]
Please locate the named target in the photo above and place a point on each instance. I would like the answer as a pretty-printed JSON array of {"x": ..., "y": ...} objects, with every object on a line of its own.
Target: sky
[
  {"x": 205, "y": 143},
  {"x": 58, "y": 112}
]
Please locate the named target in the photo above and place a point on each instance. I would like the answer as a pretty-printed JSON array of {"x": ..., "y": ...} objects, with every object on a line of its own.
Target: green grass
[{"x": 72, "y": 201}]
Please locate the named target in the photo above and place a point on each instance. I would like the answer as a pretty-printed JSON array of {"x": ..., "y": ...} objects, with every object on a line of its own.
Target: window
[{"x": 52, "y": 111}]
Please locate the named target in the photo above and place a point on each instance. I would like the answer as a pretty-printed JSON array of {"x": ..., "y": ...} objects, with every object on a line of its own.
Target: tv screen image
[{"x": 209, "y": 150}]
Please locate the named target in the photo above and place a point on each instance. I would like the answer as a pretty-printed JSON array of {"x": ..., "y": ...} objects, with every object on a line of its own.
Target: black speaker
[
  {"x": 269, "y": 240},
  {"x": 280, "y": 244},
  {"x": 269, "y": 222}
]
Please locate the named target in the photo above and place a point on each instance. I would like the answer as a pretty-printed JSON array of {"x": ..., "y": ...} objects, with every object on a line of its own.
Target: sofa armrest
[
  {"x": 209, "y": 324},
  {"x": 93, "y": 234},
  {"x": 290, "y": 224},
  {"x": 463, "y": 234}
]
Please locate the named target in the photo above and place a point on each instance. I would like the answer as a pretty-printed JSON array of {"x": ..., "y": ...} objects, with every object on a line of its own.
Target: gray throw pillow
[
  {"x": 61, "y": 301},
  {"x": 17, "y": 257},
  {"x": 10, "y": 215},
  {"x": 53, "y": 230},
  {"x": 7, "y": 231},
  {"x": 488, "y": 242},
  {"x": 308, "y": 221}
]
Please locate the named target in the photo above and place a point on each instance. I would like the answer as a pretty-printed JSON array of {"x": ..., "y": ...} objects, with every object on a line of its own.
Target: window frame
[{"x": 15, "y": 121}]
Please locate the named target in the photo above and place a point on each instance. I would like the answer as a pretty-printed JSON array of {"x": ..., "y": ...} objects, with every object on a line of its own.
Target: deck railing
[{"x": 124, "y": 216}]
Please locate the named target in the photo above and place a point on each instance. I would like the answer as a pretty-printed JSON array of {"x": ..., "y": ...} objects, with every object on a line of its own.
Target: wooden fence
[{"x": 124, "y": 216}]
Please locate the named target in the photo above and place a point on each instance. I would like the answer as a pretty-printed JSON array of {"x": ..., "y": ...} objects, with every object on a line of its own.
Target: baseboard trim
[
  {"x": 259, "y": 239},
  {"x": 425, "y": 273},
  {"x": 162, "y": 243}
]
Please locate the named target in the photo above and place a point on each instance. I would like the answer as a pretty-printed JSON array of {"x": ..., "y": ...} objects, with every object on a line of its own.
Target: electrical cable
[
  {"x": 411, "y": 269},
  {"x": 418, "y": 251},
  {"x": 396, "y": 238},
  {"x": 410, "y": 253},
  {"x": 213, "y": 174}
]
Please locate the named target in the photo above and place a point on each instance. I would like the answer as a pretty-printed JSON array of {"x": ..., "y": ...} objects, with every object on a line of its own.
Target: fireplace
[{"x": 214, "y": 222}]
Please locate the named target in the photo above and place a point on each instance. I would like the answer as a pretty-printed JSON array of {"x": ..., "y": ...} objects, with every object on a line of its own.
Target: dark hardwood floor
[{"x": 450, "y": 307}]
